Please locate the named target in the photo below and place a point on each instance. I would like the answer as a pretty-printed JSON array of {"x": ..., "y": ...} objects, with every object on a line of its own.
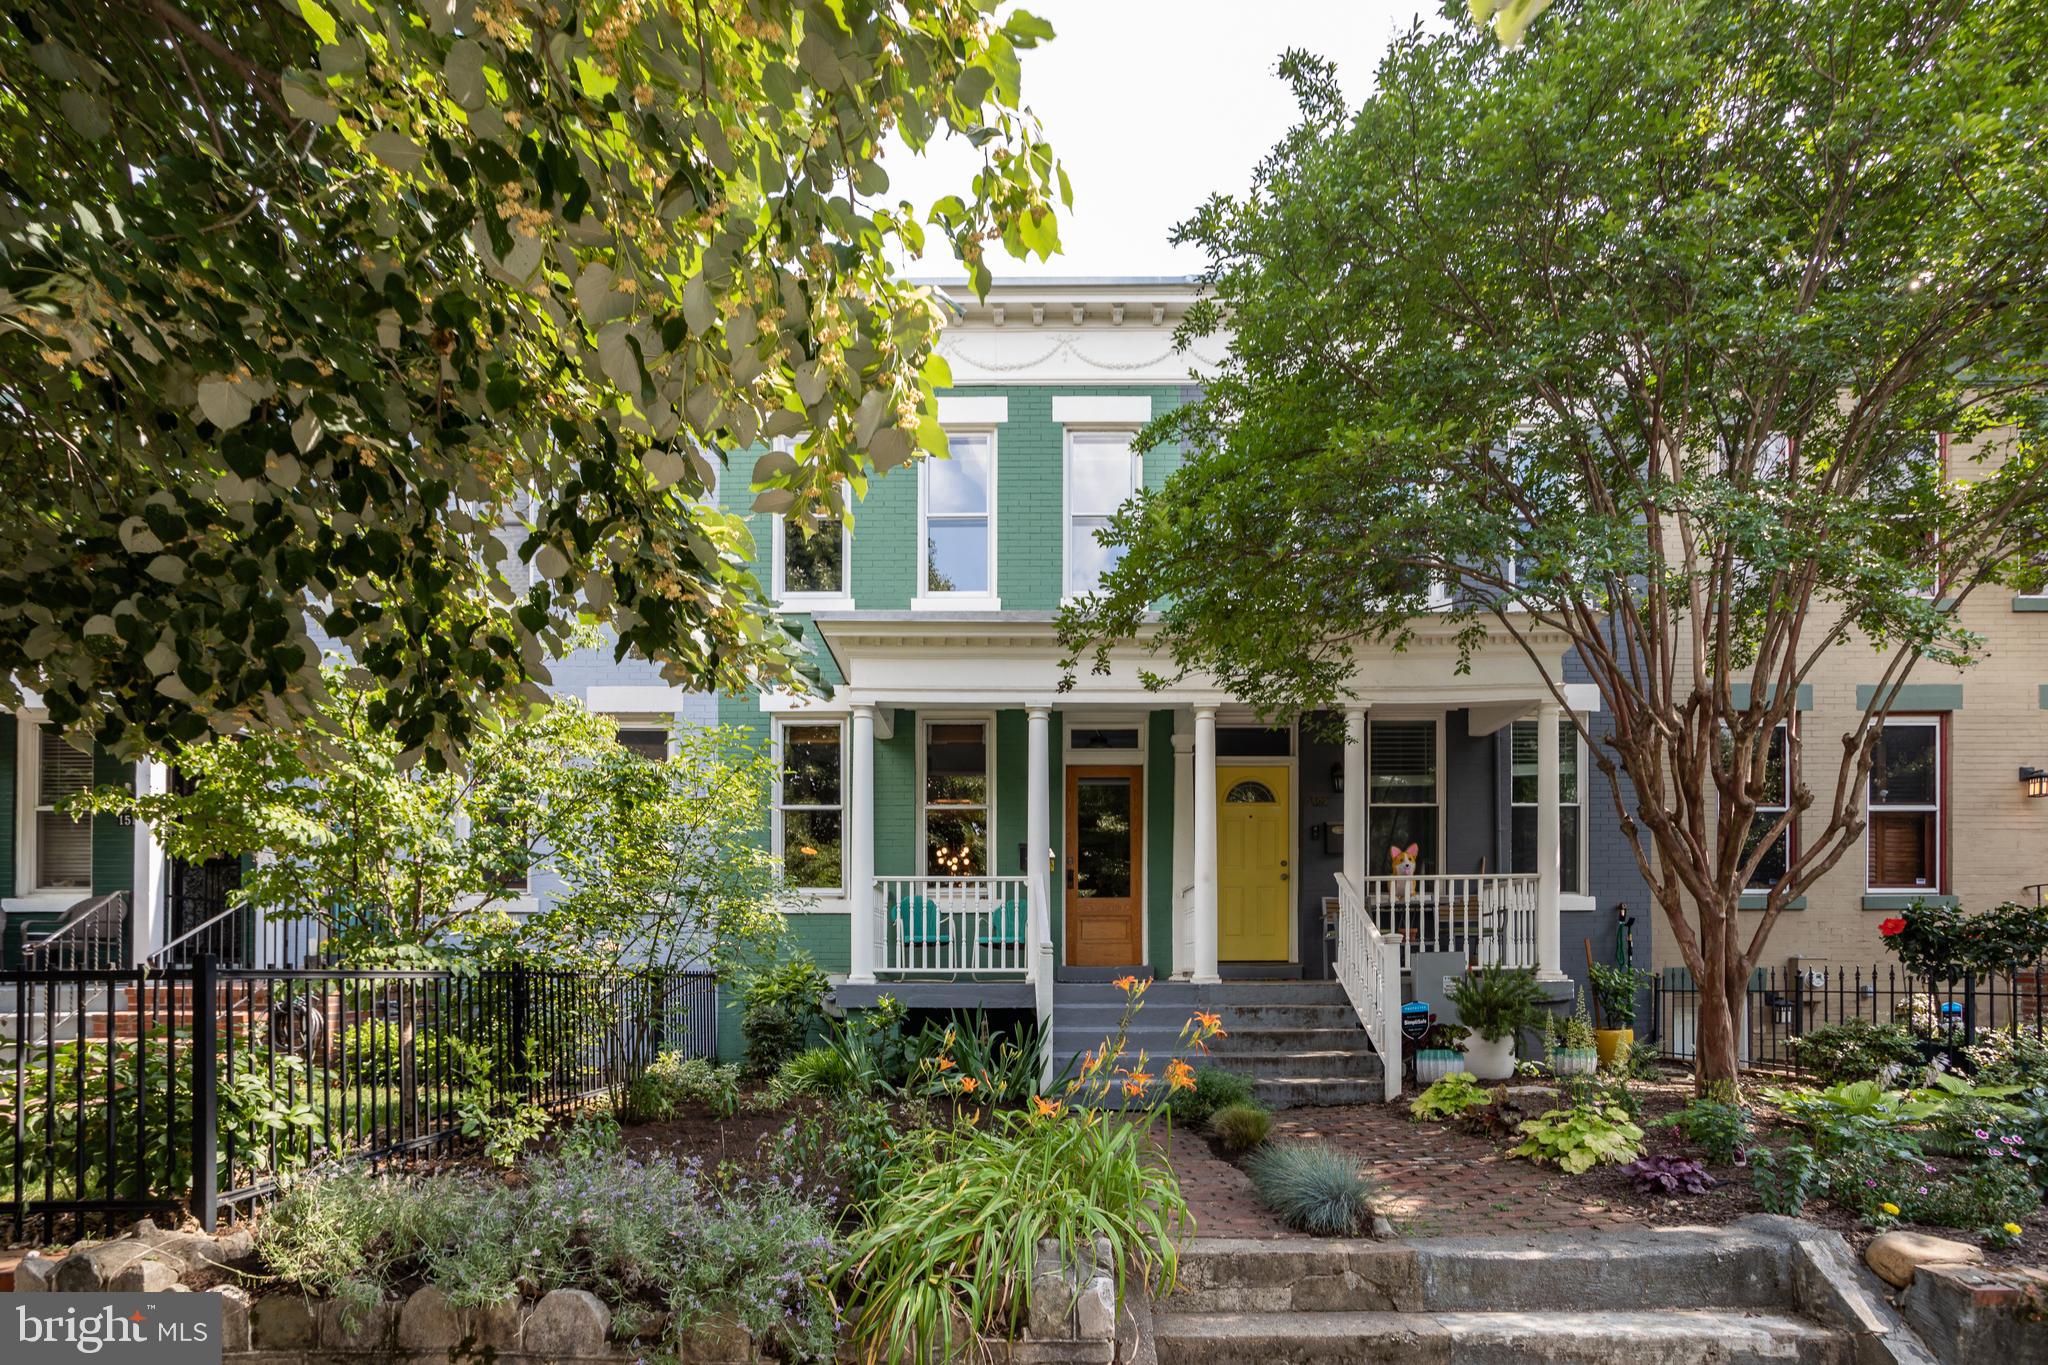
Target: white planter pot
[
  {"x": 1432, "y": 1064},
  {"x": 1490, "y": 1061},
  {"x": 1576, "y": 1061}
]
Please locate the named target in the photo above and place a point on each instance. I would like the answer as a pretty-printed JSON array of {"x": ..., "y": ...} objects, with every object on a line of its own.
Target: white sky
[{"x": 1153, "y": 105}]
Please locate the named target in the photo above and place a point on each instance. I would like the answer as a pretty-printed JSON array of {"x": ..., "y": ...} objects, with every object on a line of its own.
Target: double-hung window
[
  {"x": 1523, "y": 793},
  {"x": 645, "y": 741},
  {"x": 63, "y": 844},
  {"x": 958, "y": 534},
  {"x": 1402, "y": 801},
  {"x": 810, "y": 805},
  {"x": 810, "y": 565},
  {"x": 1770, "y": 869},
  {"x": 956, "y": 788},
  {"x": 1905, "y": 800},
  {"x": 1102, "y": 474}
]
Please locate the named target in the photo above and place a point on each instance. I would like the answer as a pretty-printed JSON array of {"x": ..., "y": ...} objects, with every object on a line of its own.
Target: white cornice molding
[{"x": 1109, "y": 354}]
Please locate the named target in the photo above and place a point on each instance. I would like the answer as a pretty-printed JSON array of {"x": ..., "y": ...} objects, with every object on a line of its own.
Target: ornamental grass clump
[
  {"x": 1313, "y": 1187},
  {"x": 948, "y": 1242},
  {"x": 1240, "y": 1127}
]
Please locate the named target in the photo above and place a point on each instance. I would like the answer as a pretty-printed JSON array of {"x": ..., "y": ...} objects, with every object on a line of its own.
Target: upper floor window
[
  {"x": 813, "y": 563},
  {"x": 1905, "y": 805},
  {"x": 63, "y": 844},
  {"x": 810, "y": 805},
  {"x": 1770, "y": 869},
  {"x": 1102, "y": 474},
  {"x": 645, "y": 741},
  {"x": 1523, "y": 792},
  {"x": 958, "y": 496}
]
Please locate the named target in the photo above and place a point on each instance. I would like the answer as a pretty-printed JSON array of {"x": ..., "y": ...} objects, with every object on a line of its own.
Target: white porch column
[
  {"x": 1205, "y": 846},
  {"x": 1038, "y": 820},
  {"x": 860, "y": 855},
  {"x": 148, "y": 923},
  {"x": 1549, "y": 867},
  {"x": 1354, "y": 796},
  {"x": 1183, "y": 845}
]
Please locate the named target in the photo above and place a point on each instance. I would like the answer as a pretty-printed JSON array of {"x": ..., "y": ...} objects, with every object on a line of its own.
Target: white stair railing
[
  {"x": 954, "y": 926},
  {"x": 1369, "y": 968},
  {"x": 1490, "y": 917}
]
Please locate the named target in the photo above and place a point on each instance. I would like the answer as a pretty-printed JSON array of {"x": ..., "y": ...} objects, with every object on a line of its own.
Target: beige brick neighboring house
[{"x": 1984, "y": 840}]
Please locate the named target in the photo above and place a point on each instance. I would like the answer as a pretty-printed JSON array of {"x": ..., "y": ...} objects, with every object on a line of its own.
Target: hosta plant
[
  {"x": 1448, "y": 1098},
  {"x": 1580, "y": 1138},
  {"x": 1669, "y": 1175}
]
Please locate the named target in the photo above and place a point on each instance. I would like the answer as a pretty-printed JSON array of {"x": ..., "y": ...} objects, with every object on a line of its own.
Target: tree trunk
[{"x": 1716, "y": 1056}]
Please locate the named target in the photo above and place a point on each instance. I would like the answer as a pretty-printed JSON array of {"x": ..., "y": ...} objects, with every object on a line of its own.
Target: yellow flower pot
[{"x": 1610, "y": 1041}]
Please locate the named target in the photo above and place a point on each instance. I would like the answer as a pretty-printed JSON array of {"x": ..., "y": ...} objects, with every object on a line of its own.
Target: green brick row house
[{"x": 965, "y": 833}]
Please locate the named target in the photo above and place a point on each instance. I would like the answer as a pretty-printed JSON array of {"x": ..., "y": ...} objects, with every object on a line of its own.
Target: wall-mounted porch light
[
  {"x": 2036, "y": 780},
  {"x": 1337, "y": 777}
]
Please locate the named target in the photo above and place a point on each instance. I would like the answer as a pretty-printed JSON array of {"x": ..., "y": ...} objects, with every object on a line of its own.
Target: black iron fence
[
  {"x": 1784, "y": 1003},
  {"x": 132, "y": 1091}
]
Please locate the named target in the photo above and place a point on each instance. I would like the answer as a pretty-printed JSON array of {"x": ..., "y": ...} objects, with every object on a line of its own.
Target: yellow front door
[{"x": 1252, "y": 885}]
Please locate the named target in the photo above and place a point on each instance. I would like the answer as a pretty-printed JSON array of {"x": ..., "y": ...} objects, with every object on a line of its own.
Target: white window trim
[
  {"x": 28, "y": 771},
  {"x": 1068, "y": 592},
  {"x": 987, "y": 720},
  {"x": 1085, "y": 720},
  {"x": 926, "y": 600},
  {"x": 1566, "y": 900},
  {"x": 819, "y": 601},
  {"x": 782, "y": 723},
  {"x": 1934, "y": 886}
]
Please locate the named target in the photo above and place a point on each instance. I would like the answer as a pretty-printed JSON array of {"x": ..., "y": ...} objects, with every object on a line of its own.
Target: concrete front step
[
  {"x": 1208, "y": 997},
  {"x": 1664, "y": 1337}
]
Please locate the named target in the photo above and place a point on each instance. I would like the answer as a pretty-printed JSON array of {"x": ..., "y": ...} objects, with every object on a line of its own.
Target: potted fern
[
  {"x": 1496, "y": 1003},
  {"x": 1572, "y": 1049}
]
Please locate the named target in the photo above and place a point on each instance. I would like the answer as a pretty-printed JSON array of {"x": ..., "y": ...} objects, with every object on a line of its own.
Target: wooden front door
[
  {"x": 1105, "y": 892},
  {"x": 1252, "y": 882}
]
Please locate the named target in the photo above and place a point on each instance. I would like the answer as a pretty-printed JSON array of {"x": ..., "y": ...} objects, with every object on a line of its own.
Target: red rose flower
[{"x": 1892, "y": 927}]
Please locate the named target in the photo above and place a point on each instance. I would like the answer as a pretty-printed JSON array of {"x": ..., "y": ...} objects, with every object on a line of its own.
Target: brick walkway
[{"x": 1432, "y": 1180}]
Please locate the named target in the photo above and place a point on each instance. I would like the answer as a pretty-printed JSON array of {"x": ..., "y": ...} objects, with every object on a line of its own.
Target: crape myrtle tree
[
  {"x": 303, "y": 303},
  {"x": 657, "y": 864},
  {"x": 1706, "y": 335}
]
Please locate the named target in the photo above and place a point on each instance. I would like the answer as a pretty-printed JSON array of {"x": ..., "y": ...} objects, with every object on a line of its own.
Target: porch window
[
  {"x": 959, "y": 517},
  {"x": 63, "y": 845},
  {"x": 1402, "y": 799},
  {"x": 956, "y": 787},
  {"x": 810, "y": 804},
  {"x": 1523, "y": 793},
  {"x": 810, "y": 564},
  {"x": 1770, "y": 870},
  {"x": 1905, "y": 799},
  {"x": 1102, "y": 474}
]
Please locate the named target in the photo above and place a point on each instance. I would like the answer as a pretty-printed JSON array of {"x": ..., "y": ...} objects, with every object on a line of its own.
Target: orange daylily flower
[
  {"x": 967, "y": 1084},
  {"x": 1211, "y": 1023},
  {"x": 1136, "y": 1081},
  {"x": 1179, "y": 1075},
  {"x": 1126, "y": 984},
  {"x": 1048, "y": 1109},
  {"x": 945, "y": 1063},
  {"x": 1090, "y": 1061}
]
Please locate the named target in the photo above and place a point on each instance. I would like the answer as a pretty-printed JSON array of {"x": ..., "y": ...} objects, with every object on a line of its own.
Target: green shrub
[
  {"x": 2009, "y": 1058},
  {"x": 1580, "y": 1138},
  {"x": 1722, "y": 1130},
  {"x": 1240, "y": 1127},
  {"x": 663, "y": 1243},
  {"x": 1984, "y": 1193},
  {"x": 673, "y": 1085},
  {"x": 1854, "y": 1116},
  {"x": 1785, "y": 1179},
  {"x": 781, "y": 1008},
  {"x": 1449, "y": 1097},
  {"x": 1854, "y": 1050},
  {"x": 814, "y": 1071},
  {"x": 952, "y": 1235},
  {"x": 1214, "y": 1088},
  {"x": 1313, "y": 1187}
]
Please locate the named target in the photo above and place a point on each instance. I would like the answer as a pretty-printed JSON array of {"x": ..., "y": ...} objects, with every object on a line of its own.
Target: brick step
[{"x": 1666, "y": 1337}]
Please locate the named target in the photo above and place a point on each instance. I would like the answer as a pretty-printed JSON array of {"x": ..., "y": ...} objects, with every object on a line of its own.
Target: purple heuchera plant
[{"x": 1669, "y": 1175}]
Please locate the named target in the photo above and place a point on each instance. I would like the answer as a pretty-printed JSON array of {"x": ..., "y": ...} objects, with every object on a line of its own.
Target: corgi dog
[{"x": 1401, "y": 862}]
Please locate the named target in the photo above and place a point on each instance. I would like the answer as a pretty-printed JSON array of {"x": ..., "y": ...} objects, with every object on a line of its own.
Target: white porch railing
[
  {"x": 1369, "y": 966},
  {"x": 1489, "y": 917},
  {"x": 954, "y": 926}
]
